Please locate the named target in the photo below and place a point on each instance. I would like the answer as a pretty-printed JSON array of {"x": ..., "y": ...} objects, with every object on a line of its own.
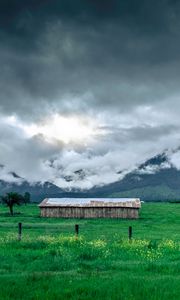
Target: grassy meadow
[{"x": 50, "y": 262}]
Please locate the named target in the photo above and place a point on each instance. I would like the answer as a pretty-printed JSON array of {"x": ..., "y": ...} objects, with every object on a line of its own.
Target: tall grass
[{"x": 67, "y": 267}]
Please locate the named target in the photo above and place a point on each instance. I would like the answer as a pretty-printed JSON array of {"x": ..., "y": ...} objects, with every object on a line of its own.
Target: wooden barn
[{"x": 124, "y": 208}]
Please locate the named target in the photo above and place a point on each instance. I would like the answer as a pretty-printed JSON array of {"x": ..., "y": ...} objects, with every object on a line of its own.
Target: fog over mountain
[
  {"x": 157, "y": 179},
  {"x": 89, "y": 90}
]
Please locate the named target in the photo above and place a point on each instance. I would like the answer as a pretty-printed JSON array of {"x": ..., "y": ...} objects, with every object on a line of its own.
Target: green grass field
[{"x": 50, "y": 262}]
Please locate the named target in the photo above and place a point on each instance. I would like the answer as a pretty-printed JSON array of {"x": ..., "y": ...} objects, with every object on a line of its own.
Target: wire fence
[{"x": 90, "y": 231}]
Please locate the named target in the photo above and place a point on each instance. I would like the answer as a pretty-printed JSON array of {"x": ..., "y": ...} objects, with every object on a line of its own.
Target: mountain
[
  {"x": 38, "y": 191},
  {"x": 154, "y": 180}
]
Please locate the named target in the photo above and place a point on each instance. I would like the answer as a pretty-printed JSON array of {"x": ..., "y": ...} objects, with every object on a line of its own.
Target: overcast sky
[{"x": 89, "y": 89}]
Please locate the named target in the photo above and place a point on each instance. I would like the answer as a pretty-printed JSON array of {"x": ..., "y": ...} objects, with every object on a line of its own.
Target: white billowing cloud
[
  {"x": 85, "y": 169},
  {"x": 23, "y": 155},
  {"x": 152, "y": 169},
  {"x": 174, "y": 158},
  {"x": 66, "y": 129},
  {"x": 110, "y": 146},
  {"x": 8, "y": 176}
]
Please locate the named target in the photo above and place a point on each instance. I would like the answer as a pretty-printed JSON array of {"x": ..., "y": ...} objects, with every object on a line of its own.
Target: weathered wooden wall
[{"x": 90, "y": 212}]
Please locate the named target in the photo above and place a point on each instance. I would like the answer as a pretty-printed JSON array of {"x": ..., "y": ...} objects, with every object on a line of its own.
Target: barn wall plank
[{"x": 90, "y": 212}]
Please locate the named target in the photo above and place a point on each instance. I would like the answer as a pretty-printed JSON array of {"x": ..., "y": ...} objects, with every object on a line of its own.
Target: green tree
[
  {"x": 11, "y": 199},
  {"x": 27, "y": 197}
]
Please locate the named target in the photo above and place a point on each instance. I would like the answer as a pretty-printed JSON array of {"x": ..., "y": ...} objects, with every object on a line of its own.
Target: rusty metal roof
[{"x": 91, "y": 202}]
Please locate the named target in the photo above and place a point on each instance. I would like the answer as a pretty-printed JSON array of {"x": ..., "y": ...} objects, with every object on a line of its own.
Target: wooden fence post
[
  {"x": 130, "y": 232},
  {"x": 19, "y": 231},
  {"x": 76, "y": 229}
]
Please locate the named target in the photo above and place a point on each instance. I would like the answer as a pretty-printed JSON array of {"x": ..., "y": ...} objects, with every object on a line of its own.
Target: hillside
[{"x": 155, "y": 180}]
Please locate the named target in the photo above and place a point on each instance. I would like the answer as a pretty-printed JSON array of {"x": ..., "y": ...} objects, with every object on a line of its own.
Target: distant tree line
[{"x": 13, "y": 198}]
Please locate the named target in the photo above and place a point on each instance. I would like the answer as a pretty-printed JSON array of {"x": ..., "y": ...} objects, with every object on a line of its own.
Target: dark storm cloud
[
  {"x": 114, "y": 61},
  {"x": 143, "y": 12},
  {"x": 120, "y": 53}
]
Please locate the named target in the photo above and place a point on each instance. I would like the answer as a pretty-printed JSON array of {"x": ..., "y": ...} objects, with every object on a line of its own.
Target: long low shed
[{"x": 124, "y": 208}]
